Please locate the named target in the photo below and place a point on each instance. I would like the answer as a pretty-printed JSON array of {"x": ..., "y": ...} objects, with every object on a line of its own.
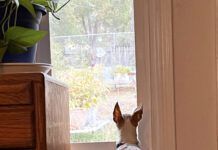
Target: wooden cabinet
[{"x": 34, "y": 112}]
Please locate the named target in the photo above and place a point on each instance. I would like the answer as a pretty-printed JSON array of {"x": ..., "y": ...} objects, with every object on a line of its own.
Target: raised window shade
[{"x": 93, "y": 51}]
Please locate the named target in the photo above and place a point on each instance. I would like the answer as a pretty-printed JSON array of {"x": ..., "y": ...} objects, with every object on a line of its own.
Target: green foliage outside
[
  {"x": 91, "y": 18},
  {"x": 121, "y": 70},
  {"x": 94, "y": 16},
  {"x": 86, "y": 88}
]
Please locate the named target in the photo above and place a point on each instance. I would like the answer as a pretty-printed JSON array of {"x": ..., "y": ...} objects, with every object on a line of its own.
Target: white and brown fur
[{"x": 127, "y": 127}]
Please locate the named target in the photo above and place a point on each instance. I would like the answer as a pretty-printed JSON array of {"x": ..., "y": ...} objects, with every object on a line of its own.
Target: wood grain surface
[
  {"x": 15, "y": 93},
  {"x": 34, "y": 113},
  {"x": 57, "y": 122},
  {"x": 16, "y": 129}
]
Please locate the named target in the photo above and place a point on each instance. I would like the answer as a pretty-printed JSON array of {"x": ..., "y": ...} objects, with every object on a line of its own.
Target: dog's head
[
  {"x": 120, "y": 119},
  {"x": 127, "y": 124}
]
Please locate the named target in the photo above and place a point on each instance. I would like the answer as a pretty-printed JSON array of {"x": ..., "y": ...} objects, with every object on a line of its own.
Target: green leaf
[
  {"x": 50, "y": 5},
  {"x": 24, "y": 36},
  {"x": 41, "y": 2},
  {"x": 29, "y": 6},
  {"x": 15, "y": 48}
]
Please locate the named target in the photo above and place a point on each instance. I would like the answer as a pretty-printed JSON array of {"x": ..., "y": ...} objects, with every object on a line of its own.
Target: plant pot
[{"x": 25, "y": 19}]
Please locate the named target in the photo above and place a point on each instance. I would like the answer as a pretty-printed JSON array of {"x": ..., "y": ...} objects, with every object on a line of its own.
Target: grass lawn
[{"x": 107, "y": 133}]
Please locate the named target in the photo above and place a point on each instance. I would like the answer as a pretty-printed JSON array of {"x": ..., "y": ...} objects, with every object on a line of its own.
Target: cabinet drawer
[
  {"x": 17, "y": 93},
  {"x": 16, "y": 128}
]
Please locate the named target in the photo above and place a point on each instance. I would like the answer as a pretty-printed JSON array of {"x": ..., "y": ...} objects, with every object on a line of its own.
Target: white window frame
[{"x": 155, "y": 86}]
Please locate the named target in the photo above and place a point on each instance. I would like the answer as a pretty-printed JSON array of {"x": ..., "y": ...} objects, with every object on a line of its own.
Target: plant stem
[
  {"x": 15, "y": 17},
  {"x": 55, "y": 11},
  {"x": 9, "y": 16},
  {"x": 62, "y": 6},
  {"x": 4, "y": 18},
  {"x": 7, "y": 19}
]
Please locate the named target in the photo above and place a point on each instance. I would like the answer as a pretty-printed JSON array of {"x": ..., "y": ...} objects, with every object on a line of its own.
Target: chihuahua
[{"x": 127, "y": 127}]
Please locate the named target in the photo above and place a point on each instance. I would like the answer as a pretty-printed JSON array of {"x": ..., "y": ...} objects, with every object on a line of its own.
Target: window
[
  {"x": 154, "y": 84},
  {"x": 93, "y": 51}
]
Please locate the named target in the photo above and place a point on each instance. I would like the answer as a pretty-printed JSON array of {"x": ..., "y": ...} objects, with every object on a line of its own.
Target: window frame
[
  {"x": 154, "y": 53},
  {"x": 155, "y": 85}
]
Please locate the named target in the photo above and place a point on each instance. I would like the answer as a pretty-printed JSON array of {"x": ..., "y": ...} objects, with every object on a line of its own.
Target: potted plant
[{"x": 19, "y": 24}]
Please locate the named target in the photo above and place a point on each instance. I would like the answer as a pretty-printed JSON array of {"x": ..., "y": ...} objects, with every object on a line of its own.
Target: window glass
[{"x": 93, "y": 52}]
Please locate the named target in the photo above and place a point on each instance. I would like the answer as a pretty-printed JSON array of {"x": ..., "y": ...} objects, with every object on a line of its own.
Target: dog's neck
[{"x": 128, "y": 133}]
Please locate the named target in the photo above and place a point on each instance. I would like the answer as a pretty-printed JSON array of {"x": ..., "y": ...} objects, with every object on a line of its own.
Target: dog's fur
[{"x": 127, "y": 126}]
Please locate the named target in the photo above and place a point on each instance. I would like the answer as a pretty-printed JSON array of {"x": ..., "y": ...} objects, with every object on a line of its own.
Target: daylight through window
[{"x": 93, "y": 52}]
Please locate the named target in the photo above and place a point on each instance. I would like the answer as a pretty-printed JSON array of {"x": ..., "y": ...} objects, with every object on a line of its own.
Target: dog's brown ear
[
  {"x": 137, "y": 116},
  {"x": 117, "y": 115}
]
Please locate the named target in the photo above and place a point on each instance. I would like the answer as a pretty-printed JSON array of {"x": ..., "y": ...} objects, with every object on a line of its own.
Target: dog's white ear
[
  {"x": 137, "y": 116},
  {"x": 117, "y": 115}
]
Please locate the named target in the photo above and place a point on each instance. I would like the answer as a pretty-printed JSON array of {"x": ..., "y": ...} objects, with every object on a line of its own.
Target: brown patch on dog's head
[{"x": 117, "y": 116}]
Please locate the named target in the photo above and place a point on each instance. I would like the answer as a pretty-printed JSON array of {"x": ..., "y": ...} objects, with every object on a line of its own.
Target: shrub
[
  {"x": 121, "y": 70},
  {"x": 86, "y": 88}
]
